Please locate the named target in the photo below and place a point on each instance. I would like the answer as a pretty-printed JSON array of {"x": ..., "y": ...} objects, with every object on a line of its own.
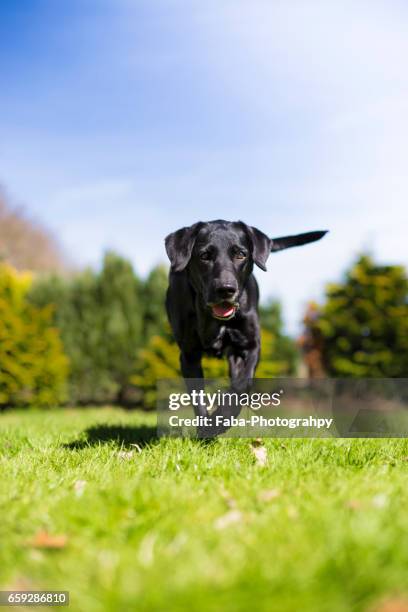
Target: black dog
[{"x": 212, "y": 299}]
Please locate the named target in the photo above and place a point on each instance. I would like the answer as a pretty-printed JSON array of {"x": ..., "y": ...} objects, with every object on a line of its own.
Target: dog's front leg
[
  {"x": 242, "y": 369},
  {"x": 192, "y": 371},
  {"x": 190, "y": 363}
]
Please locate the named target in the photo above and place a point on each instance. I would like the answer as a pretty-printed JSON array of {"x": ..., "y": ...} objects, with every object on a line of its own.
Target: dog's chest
[{"x": 225, "y": 337}]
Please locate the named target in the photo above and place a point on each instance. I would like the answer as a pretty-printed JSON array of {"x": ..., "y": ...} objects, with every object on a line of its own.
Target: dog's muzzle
[{"x": 224, "y": 311}]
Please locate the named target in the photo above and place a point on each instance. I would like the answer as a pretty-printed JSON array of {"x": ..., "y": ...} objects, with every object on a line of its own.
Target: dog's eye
[
  {"x": 205, "y": 256},
  {"x": 239, "y": 254}
]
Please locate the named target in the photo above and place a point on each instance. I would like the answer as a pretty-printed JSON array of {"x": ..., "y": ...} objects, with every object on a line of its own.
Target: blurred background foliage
[
  {"x": 361, "y": 329},
  {"x": 33, "y": 366},
  {"x": 110, "y": 327},
  {"x": 105, "y": 319},
  {"x": 101, "y": 336}
]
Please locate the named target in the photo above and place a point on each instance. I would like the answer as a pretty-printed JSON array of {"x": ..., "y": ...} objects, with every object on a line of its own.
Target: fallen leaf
[
  {"x": 260, "y": 452},
  {"x": 268, "y": 495},
  {"x": 292, "y": 512},
  {"x": 43, "y": 539},
  {"x": 19, "y": 584},
  {"x": 354, "y": 504},
  {"x": 231, "y": 517},
  {"x": 229, "y": 500},
  {"x": 380, "y": 500},
  {"x": 125, "y": 454},
  {"x": 146, "y": 549},
  {"x": 177, "y": 544},
  {"x": 395, "y": 604},
  {"x": 37, "y": 556},
  {"x": 137, "y": 447},
  {"x": 79, "y": 487}
]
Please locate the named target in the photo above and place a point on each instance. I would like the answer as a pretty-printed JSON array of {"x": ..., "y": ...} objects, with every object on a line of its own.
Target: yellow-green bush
[
  {"x": 361, "y": 330},
  {"x": 160, "y": 359},
  {"x": 33, "y": 367}
]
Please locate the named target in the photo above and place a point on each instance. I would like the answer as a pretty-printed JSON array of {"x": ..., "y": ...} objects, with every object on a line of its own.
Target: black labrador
[{"x": 212, "y": 299}]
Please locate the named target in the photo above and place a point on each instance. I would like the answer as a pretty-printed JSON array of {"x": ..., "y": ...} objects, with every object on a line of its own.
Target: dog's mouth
[{"x": 223, "y": 310}]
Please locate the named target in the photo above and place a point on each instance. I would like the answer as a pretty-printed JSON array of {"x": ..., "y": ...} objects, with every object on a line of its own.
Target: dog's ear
[
  {"x": 286, "y": 242},
  {"x": 261, "y": 245},
  {"x": 179, "y": 246}
]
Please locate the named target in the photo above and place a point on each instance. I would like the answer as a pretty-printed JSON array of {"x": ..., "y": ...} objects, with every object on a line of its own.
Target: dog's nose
[{"x": 226, "y": 291}]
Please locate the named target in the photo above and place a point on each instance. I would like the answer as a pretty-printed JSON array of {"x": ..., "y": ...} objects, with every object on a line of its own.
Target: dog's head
[{"x": 219, "y": 257}]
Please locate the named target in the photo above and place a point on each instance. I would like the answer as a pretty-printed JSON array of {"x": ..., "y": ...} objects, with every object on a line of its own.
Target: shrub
[
  {"x": 362, "y": 328},
  {"x": 160, "y": 359},
  {"x": 33, "y": 367},
  {"x": 279, "y": 353}
]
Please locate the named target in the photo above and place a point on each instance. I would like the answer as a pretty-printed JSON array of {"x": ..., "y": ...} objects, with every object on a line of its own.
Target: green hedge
[{"x": 105, "y": 318}]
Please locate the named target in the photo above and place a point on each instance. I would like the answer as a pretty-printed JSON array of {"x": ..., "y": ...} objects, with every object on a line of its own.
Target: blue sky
[{"x": 122, "y": 120}]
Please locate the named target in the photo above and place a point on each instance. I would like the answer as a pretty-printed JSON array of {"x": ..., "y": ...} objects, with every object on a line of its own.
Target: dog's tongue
[{"x": 223, "y": 309}]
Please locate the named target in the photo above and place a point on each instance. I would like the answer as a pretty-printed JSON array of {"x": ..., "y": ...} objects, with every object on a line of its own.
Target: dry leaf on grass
[
  {"x": 293, "y": 512},
  {"x": 269, "y": 495},
  {"x": 260, "y": 452},
  {"x": 19, "y": 584},
  {"x": 380, "y": 500},
  {"x": 395, "y": 604},
  {"x": 79, "y": 487},
  {"x": 43, "y": 539},
  {"x": 146, "y": 549},
  {"x": 137, "y": 447},
  {"x": 125, "y": 454},
  {"x": 229, "y": 500},
  {"x": 36, "y": 555},
  {"x": 354, "y": 504},
  {"x": 231, "y": 517}
]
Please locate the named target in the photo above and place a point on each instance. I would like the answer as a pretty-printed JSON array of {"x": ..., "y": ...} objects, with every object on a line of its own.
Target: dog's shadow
[{"x": 124, "y": 436}]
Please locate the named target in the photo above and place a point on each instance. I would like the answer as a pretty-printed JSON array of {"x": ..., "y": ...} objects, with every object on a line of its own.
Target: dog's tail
[{"x": 287, "y": 242}]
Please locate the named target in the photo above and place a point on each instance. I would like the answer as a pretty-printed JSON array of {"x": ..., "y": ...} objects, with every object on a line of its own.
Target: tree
[
  {"x": 311, "y": 342},
  {"x": 100, "y": 316},
  {"x": 362, "y": 328},
  {"x": 121, "y": 308},
  {"x": 25, "y": 244},
  {"x": 153, "y": 291}
]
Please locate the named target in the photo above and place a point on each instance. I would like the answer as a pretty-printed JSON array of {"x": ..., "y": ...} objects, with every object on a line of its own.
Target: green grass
[{"x": 184, "y": 525}]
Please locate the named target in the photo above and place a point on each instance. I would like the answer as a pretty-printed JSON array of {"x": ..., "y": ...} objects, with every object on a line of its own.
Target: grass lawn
[{"x": 188, "y": 525}]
